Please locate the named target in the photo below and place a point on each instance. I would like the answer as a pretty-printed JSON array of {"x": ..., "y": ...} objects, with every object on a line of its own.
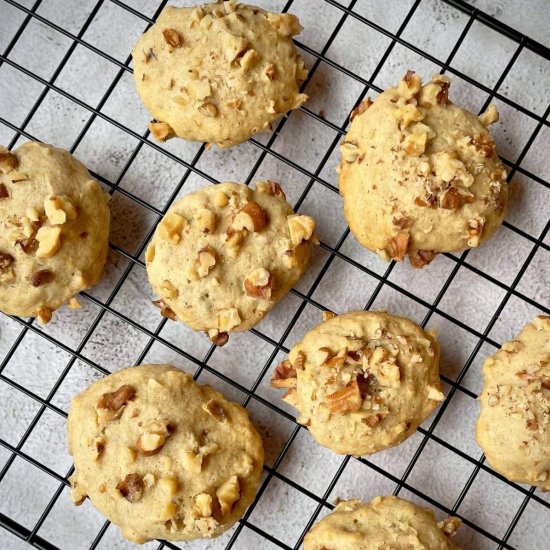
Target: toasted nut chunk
[
  {"x": 131, "y": 487},
  {"x": 45, "y": 315},
  {"x": 171, "y": 226},
  {"x": 259, "y": 284},
  {"x": 270, "y": 188},
  {"x": 208, "y": 109},
  {"x": 233, "y": 46},
  {"x": 192, "y": 461},
  {"x": 345, "y": 400},
  {"x": 77, "y": 496},
  {"x": 269, "y": 71},
  {"x": 168, "y": 290},
  {"x": 285, "y": 23},
  {"x": 228, "y": 319},
  {"x": 74, "y": 303},
  {"x": 4, "y": 193},
  {"x": 165, "y": 310},
  {"x": 59, "y": 209},
  {"x": 284, "y": 375},
  {"x": 415, "y": 144},
  {"x": 484, "y": 144},
  {"x": 6, "y": 260},
  {"x": 49, "y": 241},
  {"x": 41, "y": 277},
  {"x": 450, "y": 526},
  {"x": 327, "y": 315},
  {"x": 409, "y": 85},
  {"x": 168, "y": 512},
  {"x": 420, "y": 258},
  {"x": 172, "y": 38},
  {"x": 206, "y": 220},
  {"x": 221, "y": 199},
  {"x": 350, "y": 151},
  {"x": 213, "y": 408},
  {"x": 161, "y": 130},
  {"x": 435, "y": 394},
  {"x": 218, "y": 338},
  {"x": 398, "y": 246},
  {"x": 203, "y": 506},
  {"x": 206, "y": 261},
  {"x": 251, "y": 217},
  {"x": 248, "y": 60},
  {"x": 150, "y": 443},
  {"x": 453, "y": 199},
  {"x": 490, "y": 116},
  {"x": 360, "y": 109},
  {"x": 169, "y": 485},
  {"x": 383, "y": 368},
  {"x": 410, "y": 114},
  {"x": 228, "y": 494},
  {"x": 302, "y": 229},
  {"x": 199, "y": 89},
  {"x": 8, "y": 162},
  {"x": 444, "y": 84},
  {"x": 115, "y": 401}
]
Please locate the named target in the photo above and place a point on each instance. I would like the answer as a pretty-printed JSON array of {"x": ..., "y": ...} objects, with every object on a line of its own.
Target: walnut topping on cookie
[
  {"x": 415, "y": 152},
  {"x": 362, "y": 381},
  {"x": 180, "y": 463},
  {"x": 225, "y": 254}
]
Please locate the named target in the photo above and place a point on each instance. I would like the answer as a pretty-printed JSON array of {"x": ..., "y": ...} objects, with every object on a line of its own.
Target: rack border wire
[{"x": 32, "y": 536}]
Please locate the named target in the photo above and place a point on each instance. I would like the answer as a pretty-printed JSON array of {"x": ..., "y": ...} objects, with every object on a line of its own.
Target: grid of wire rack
[{"x": 331, "y": 253}]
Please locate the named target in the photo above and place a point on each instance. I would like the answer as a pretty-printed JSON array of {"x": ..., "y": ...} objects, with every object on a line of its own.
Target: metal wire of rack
[{"x": 331, "y": 253}]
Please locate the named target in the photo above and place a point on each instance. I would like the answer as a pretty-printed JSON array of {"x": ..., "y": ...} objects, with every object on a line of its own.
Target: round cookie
[
  {"x": 54, "y": 234},
  {"x": 362, "y": 381},
  {"x": 384, "y": 522},
  {"x": 513, "y": 427},
  {"x": 161, "y": 456},
  {"x": 218, "y": 73},
  {"x": 419, "y": 174},
  {"x": 225, "y": 254}
]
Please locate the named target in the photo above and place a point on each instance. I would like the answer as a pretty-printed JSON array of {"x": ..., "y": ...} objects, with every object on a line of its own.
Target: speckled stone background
[{"x": 117, "y": 326}]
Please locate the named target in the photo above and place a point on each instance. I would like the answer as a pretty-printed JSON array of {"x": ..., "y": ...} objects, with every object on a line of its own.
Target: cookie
[
  {"x": 218, "y": 73},
  {"x": 362, "y": 381},
  {"x": 419, "y": 174},
  {"x": 161, "y": 456},
  {"x": 513, "y": 427},
  {"x": 54, "y": 234},
  {"x": 384, "y": 522},
  {"x": 224, "y": 255}
]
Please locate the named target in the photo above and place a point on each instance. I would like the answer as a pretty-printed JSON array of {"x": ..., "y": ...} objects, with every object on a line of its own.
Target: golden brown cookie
[
  {"x": 161, "y": 456},
  {"x": 513, "y": 427},
  {"x": 419, "y": 174},
  {"x": 362, "y": 381},
  {"x": 54, "y": 233},
  {"x": 224, "y": 255},
  {"x": 383, "y": 523},
  {"x": 218, "y": 73}
]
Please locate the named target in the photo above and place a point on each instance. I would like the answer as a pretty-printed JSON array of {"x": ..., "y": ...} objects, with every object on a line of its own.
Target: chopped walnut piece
[
  {"x": 161, "y": 130},
  {"x": 228, "y": 319},
  {"x": 327, "y": 315},
  {"x": 42, "y": 277},
  {"x": 208, "y": 109},
  {"x": 409, "y": 85},
  {"x": 270, "y": 188},
  {"x": 398, "y": 246},
  {"x": 4, "y": 193},
  {"x": 490, "y": 116},
  {"x": 435, "y": 394},
  {"x": 149, "y": 444},
  {"x": 59, "y": 209},
  {"x": 350, "y": 151},
  {"x": 251, "y": 217},
  {"x": 415, "y": 144},
  {"x": 360, "y": 109},
  {"x": 199, "y": 89},
  {"x": 172, "y": 38},
  {"x": 270, "y": 71},
  {"x": 302, "y": 229},
  {"x": 206, "y": 261},
  {"x": 171, "y": 226},
  {"x": 203, "y": 505},
  {"x": 475, "y": 230},
  {"x": 442, "y": 96},
  {"x": 213, "y": 408},
  {"x": 450, "y": 526},
  {"x": 345, "y": 400},
  {"x": 165, "y": 310},
  {"x": 484, "y": 144},
  {"x": 6, "y": 260},
  {"x": 45, "y": 315},
  {"x": 228, "y": 493},
  {"x": 421, "y": 258},
  {"x": 218, "y": 338},
  {"x": 383, "y": 367},
  {"x": 49, "y": 241},
  {"x": 453, "y": 199},
  {"x": 8, "y": 162},
  {"x": 168, "y": 512},
  {"x": 206, "y": 220},
  {"x": 221, "y": 199},
  {"x": 284, "y": 375},
  {"x": 116, "y": 401},
  {"x": 131, "y": 487},
  {"x": 259, "y": 284}
]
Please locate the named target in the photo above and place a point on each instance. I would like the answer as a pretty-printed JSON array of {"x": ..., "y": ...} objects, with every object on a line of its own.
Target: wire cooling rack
[{"x": 65, "y": 78}]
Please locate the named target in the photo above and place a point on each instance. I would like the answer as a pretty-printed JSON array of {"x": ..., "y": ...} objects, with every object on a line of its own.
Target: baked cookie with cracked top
[
  {"x": 384, "y": 522},
  {"x": 161, "y": 456},
  {"x": 362, "y": 381},
  {"x": 419, "y": 174},
  {"x": 513, "y": 427},
  {"x": 224, "y": 255},
  {"x": 218, "y": 73},
  {"x": 54, "y": 235}
]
